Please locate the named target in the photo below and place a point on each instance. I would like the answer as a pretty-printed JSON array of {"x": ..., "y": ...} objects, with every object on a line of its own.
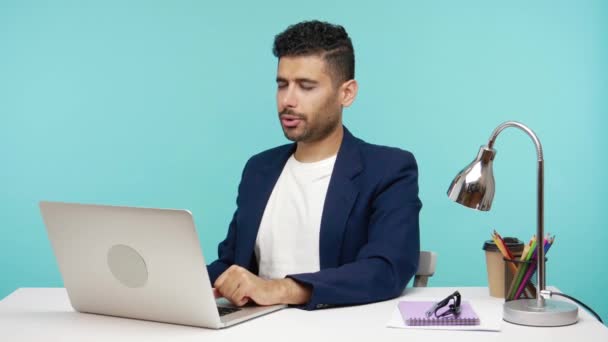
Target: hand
[{"x": 239, "y": 286}]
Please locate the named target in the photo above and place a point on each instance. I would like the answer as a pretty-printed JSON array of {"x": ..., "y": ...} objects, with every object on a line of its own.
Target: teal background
[{"x": 160, "y": 103}]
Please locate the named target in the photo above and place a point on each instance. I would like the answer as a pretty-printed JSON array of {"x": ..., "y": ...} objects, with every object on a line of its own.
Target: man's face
[{"x": 307, "y": 99}]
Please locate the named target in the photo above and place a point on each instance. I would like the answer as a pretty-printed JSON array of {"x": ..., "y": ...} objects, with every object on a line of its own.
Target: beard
[{"x": 324, "y": 124}]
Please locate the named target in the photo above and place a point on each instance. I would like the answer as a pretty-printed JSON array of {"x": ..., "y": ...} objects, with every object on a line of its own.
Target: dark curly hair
[{"x": 329, "y": 41}]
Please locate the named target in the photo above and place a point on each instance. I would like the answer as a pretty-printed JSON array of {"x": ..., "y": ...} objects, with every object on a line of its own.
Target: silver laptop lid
[{"x": 132, "y": 262}]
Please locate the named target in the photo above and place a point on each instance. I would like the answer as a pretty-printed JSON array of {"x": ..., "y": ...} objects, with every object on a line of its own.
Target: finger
[
  {"x": 226, "y": 290},
  {"x": 229, "y": 286},
  {"x": 216, "y": 293},
  {"x": 233, "y": 294},
  {"x": 227, "y": 274},
  {"x": 243, "y": 284},
  {"x": 220, "y": 280},
  {"x": 243, "y": 301},
  {"x": 240, "y": 297}
]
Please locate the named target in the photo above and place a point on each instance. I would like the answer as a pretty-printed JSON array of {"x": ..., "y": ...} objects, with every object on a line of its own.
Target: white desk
[{"x": 44, "y": 314}]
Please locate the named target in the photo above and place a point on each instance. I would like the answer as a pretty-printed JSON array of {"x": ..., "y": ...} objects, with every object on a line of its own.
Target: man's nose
[{"x": 289, "y": 99}]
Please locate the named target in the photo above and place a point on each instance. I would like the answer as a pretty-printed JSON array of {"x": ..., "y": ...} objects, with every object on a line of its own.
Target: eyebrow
[{"x": 299, "y": 80}]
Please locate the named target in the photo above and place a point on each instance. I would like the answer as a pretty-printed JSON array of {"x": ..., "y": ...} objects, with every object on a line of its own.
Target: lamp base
[{"x": 553, "y": 314}]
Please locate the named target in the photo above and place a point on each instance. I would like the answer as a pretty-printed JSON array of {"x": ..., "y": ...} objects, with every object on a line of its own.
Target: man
[{"x": 329, "y": 220}]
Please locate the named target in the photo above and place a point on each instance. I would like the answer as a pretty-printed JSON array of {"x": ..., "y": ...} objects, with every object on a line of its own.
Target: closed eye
[{"x": 307, "y": 85}]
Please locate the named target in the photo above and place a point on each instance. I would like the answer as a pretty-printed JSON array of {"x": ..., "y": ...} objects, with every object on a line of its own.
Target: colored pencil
[
  {"x": 532, "y": 269},
  {"x": 506, "y": 253},
  {"x": 522, "y": 270}
]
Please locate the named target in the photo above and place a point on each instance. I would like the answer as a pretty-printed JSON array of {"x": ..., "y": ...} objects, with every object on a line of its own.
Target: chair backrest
[{"x": 426, "y": 268}]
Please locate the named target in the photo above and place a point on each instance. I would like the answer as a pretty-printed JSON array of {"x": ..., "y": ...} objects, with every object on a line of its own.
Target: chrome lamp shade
[{"x": 474, "y": 187}]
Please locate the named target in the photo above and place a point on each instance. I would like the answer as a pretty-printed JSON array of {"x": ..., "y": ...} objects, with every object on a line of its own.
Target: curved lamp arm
[{"x": 540, "y": 214}]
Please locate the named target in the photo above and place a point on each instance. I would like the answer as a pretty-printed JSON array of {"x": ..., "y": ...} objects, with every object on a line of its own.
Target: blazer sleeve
[
  {"x": 226, "y": 249},
  {"x": 389, "y": 259},
  {"x": 225, "y": 252}
]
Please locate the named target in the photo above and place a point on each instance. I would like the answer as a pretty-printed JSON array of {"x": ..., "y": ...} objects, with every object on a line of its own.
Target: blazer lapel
[{"x": 341, "y": 195}]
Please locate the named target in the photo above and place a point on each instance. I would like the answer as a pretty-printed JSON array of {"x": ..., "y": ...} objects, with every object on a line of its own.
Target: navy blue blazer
[{"x": 369, "y": 239}]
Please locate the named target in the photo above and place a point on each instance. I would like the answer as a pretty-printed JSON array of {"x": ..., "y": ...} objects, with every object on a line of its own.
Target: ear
[{"x": 348, "y": 92}]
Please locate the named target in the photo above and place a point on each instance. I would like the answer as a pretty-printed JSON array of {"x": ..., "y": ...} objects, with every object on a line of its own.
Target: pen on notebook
[{"x": 431, "y": 311}]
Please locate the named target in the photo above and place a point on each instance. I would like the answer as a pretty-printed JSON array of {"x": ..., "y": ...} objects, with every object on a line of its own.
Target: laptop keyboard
[{"x": 225, "y": 311}]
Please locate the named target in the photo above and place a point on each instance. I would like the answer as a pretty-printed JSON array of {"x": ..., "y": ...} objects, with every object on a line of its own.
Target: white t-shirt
[{"x": 288, "y": 237}]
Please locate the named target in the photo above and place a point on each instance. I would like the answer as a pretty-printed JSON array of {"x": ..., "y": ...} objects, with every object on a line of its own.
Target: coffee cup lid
[{"x": 514, "y": 245}]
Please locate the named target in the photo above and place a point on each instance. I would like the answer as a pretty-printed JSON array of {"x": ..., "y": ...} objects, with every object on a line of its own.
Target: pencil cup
[
  {"x": 498, "y": 274},
  {"x": 526, "y": 271}
]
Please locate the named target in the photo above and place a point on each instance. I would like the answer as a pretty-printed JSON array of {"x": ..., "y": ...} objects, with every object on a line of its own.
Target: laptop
[{"x": 137, "y": 263}]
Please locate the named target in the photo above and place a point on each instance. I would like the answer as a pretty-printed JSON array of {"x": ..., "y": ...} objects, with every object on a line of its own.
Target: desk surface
[{"x": 44, "y": 314}]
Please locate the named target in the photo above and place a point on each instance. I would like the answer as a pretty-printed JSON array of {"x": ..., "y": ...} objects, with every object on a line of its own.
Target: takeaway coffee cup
[{"x": 498, "y": 275}]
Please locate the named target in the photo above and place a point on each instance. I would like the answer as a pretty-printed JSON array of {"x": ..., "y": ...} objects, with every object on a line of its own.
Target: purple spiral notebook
[{"x": 414, "y": 313}]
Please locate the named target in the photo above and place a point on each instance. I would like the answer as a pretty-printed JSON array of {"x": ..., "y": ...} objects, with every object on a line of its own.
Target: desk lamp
[{"x": 473, "y": 187}]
